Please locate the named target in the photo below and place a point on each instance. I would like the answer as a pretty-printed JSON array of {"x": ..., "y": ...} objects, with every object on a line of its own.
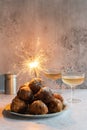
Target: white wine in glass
[
  {"x": 73, "y": 79},
  {"x": 53, "y": 74}
]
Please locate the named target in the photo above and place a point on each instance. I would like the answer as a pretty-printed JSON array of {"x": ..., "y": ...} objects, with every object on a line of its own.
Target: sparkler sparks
[
  {"x": 33, "y": 65},
  {"x": 31, "y": 60}
]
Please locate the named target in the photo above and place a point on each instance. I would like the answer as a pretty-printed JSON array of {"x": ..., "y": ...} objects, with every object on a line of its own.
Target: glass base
[{"x": 73, "y": 100}]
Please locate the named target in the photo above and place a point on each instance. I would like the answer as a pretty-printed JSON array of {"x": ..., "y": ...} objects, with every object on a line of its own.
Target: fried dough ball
[
  {"x": 18, "y": 105},
  {"x": 58, "y": 96},
  {"x": 55, "y": 106},
  {"x": 26, "y": 94},
  {"x": 38, "y": 107},
  {"x": 36, "y": 84},
  {"x": 44, "y": 94}
]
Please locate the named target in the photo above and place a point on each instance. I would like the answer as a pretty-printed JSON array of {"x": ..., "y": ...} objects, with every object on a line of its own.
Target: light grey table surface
[{"x": 75, "y": 118}]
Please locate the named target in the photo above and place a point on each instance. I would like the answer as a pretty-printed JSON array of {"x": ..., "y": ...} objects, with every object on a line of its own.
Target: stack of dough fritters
[{"x": 35, "y": 98}]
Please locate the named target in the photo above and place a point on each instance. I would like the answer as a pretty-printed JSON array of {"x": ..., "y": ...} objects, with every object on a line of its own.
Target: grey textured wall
[{"x": 61, "y": 26}]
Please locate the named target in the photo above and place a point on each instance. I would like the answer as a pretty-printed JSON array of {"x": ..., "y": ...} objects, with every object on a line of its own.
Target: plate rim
[{"x": 7, "y": 109}]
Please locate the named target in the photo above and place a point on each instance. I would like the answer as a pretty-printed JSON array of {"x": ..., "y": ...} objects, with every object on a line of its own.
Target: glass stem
[{"x": 72, "y": 92}]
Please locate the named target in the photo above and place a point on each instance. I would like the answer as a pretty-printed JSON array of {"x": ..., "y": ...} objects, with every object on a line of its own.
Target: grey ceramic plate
[{"x": 7, "y": 108}]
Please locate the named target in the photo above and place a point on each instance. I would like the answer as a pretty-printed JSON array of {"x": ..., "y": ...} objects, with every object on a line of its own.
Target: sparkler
[
  {"x": 31, "y": 61},
  {"x": 33, "y": 65}
]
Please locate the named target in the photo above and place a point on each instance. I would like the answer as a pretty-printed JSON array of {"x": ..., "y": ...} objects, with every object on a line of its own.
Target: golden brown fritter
[
  {"x": 38, "y": 107},
  {"x": 18, "y": 105},
  {"x": 55, "y": 106},
  {"x": 26, "y": 94},
  {"x": 58, "y": 96},
  {"x": 45, "y": 95},
  {"x": 36, "y": 84}
]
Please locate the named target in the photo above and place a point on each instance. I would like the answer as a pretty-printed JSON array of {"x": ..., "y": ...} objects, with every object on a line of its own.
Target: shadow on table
[{"x": 62, "y": 121}]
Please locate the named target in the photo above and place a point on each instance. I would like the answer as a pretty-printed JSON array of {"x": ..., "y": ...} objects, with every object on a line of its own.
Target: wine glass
[
  {"x": 55, "y": 75},
  {"x": 73, "y": 79}
]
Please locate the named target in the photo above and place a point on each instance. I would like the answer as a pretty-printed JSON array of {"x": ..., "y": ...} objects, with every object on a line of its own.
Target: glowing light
[
  {"x": 33, "y": 64},
  {"x": 31, "y": 61}
]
